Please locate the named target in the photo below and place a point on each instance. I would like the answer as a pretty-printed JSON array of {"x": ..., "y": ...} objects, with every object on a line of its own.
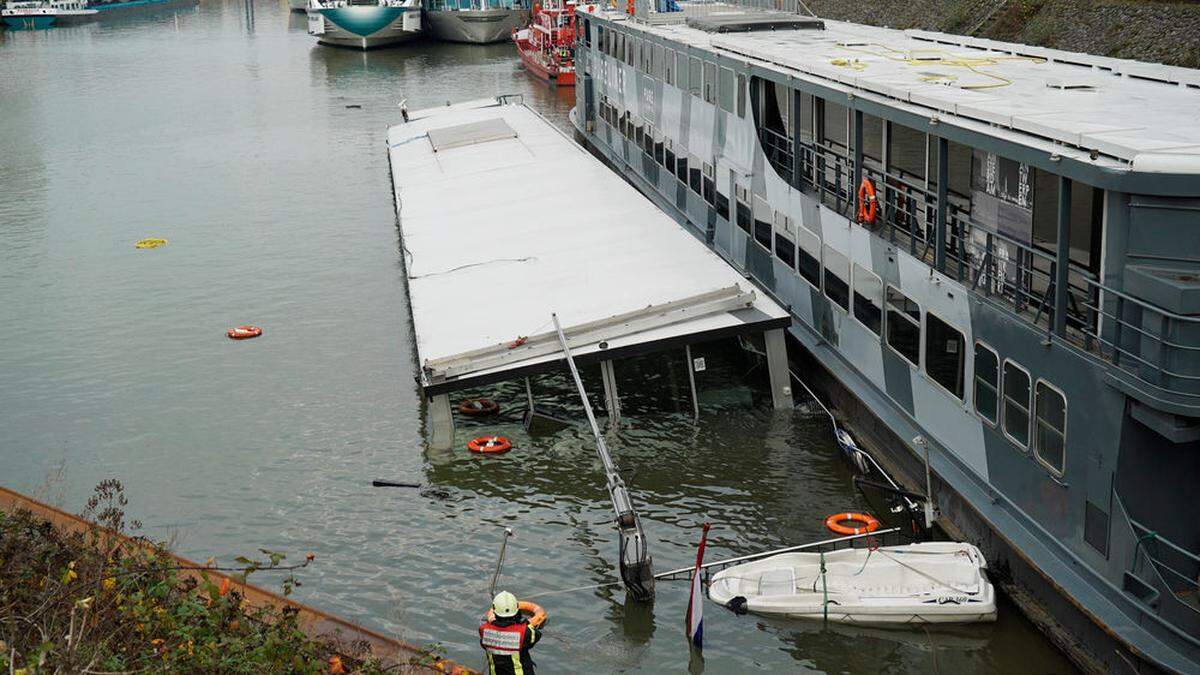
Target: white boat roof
[
  {"x": 511, "y": 220},
  {"x": 1124, "y": 109}
]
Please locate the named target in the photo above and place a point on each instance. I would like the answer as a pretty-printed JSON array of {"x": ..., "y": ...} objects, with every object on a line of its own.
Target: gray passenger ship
[{"x": 988, "y": 248}]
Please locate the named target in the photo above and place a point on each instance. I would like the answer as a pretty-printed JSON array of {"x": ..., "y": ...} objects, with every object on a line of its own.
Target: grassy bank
[{"x": 90, "y": 601}]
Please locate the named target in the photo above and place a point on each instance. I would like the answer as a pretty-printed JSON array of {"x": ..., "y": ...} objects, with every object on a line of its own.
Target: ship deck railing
[
  {"x": 1163, "y": 576},
  {"x": 1152, "y": 348}
]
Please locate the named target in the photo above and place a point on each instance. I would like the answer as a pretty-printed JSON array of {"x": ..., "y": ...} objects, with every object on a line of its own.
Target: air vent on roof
[{"x": 748, "y": 20}]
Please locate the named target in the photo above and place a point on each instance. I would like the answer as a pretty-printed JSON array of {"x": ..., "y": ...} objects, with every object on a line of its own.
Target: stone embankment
[{"x": 1144, "y": 30}]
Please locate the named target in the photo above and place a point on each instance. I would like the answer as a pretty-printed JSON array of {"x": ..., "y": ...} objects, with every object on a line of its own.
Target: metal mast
[{"x": 637, "y": 568}]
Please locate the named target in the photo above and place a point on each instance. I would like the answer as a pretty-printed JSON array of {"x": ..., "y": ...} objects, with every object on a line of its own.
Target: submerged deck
[{"x": 504, "y": 220}]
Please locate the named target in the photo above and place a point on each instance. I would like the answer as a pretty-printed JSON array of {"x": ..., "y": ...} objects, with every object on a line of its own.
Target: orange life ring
[
  {"x": 489, "y": 445},
  {"x": 244, "y": 332},
  {"x": 478, "y": 406},
  {"x": 868, "y": 206},
  {"x": 834, "y": 523},
  {"x": 537, "y": 615}
]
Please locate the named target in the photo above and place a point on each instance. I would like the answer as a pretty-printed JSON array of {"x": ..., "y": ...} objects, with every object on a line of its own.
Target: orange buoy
[
  {"x": 531, "y": 610},
  {"x": 478, "y": 406},
  {"x": 489, "y": 445},
  {"x": 868, "y": 205},
  {"x": 868, "y": 523},
  {"x": 244, "y": 332}
]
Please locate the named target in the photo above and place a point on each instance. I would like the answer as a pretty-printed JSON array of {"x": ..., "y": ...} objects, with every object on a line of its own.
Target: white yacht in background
[
  {"x": 364, "y": 24},
  {"x": 476, "y": 21}
]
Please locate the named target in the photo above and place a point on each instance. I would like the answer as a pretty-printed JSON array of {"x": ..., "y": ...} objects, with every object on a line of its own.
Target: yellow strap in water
[{"x": 150, "y": 243}]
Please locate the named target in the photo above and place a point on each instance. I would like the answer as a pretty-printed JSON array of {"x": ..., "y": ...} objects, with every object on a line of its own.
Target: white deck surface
[
  {"x": 1133, "y": 109},
  {"x": 499, "y": 234}
]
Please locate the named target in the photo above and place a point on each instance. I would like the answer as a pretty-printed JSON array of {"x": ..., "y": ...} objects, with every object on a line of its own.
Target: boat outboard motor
[
  {"x": 895, "y": 507},
  {"x": 637, "y": 568}
]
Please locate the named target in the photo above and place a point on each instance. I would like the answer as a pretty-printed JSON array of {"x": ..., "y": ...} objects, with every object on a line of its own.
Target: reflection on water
[{"x": 225, "y": 129}]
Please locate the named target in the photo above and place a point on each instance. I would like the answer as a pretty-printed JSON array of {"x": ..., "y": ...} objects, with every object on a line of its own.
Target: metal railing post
[
  {"x": 1062, "y": 266},
  {"x": 939, "y": 254}
]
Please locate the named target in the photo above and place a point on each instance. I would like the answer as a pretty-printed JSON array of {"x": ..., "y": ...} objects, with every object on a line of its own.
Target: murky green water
[{"x": 227, "y": 131}]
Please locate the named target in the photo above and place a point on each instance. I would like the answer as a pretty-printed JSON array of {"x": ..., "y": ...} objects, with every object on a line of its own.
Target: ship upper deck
[{"x": 1113, "y": 112}]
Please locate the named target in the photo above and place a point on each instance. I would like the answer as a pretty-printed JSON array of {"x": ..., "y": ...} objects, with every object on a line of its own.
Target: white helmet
[{"x": 505, "y": 605}]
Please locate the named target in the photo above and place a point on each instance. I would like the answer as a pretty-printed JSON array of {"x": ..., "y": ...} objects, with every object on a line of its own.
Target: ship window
[
  {"x": 710, "y": 82},
  {"x": 694, "y": 82},
  {"x": 906, "y": 153},
  {"x": 725, "y": 92},
  {"x": 656, "y": 63},
  {"x": 658, "y": 148},
  {"x": 668, "y": 156},
  {"x": 834, "y": 128},
  {"x": 1087, "y": 216},
  {"x": 694, "y": 175},
  {"x": 944, "y": 354},
  {"x": 1050, "y": 438},
  {"x": 808, "y": 257},
  {"x": 987, "y": 382},
  {"x": 868, "y": 298},
  {"x": 785, "y": 250},
  {"x": 741, "y": 95},
  {"x": 959, "y": 166},
  {"x": 638, "y": 133},
  {"x": 762, "y": 228},
  {"x": 873, "y": 139},
  {"x": 681, "y": 168},
  {"x": 745, "y": 219},
  {"x": 709, "y": 186},
  {"x": 903, "y": 325},
  {"x": 619, "y": 45},
  {"x": 1016, "y": 403},
  {"x": 681, "y": 70},
  {"x": 722, "y": 205},
  {"x": 837, "y": 277},
  {"x": 669, "y": 67},
  {"x": 806, "y": 118},
  {"x": 648, "y": 141}
]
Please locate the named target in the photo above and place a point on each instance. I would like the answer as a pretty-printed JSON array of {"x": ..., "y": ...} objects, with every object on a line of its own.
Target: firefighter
[{"x": 507, "y": 637}]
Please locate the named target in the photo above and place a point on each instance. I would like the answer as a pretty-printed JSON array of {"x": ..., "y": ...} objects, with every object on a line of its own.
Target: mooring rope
[{"x": 572, "y": 590}]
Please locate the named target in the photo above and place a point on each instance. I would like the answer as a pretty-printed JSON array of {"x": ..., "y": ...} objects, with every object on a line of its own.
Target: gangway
[{"x": 637, "y": 567}]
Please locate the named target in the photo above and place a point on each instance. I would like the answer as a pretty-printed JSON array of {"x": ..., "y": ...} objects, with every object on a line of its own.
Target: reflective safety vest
[{"x": 502, "y": 639}]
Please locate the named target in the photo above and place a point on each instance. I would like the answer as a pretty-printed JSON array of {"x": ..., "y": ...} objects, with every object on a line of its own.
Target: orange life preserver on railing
[
  {"x": 868, "y": 206},
  {"x": 489, "y": 445},
  {"x": 537, "y": 615},
  {"x": 834, "y": 523}
]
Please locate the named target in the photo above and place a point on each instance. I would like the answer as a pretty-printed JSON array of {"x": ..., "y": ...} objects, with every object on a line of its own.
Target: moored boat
[
  {"x": 932, "y": 582},
  {"x": 364, "y": 24},
  {"x": 475, "y": 21},
  {"x": 39, "y": 14},
  {"x": 547, "y": 44}
]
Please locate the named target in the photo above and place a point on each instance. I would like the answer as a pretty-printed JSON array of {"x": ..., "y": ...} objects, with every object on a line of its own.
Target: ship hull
[
  {"x": 476, "y": 26},
  {"x": 542, "y": 70},
  {"x": 360, "y": 27},
  {"x": 1052, "y": 589},
  {"x": 41, "y": 20}
]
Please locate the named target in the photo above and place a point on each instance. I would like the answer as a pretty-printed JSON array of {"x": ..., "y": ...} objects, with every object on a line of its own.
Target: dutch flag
[{"x": 695, "y": 610}]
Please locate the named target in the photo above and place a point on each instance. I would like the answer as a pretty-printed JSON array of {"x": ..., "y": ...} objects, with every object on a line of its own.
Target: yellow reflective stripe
[
  {"x": 491, "y": 664},
  {"x": 533, "y": 636},
  {"x": 518, "y": 669}
]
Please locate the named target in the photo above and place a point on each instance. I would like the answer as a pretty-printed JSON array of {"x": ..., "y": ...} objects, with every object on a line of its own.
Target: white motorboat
[{"x": 932, "y": 582}]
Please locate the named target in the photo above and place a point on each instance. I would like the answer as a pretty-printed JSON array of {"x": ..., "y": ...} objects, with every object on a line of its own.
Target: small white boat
[{"x": 932, "y": 582}]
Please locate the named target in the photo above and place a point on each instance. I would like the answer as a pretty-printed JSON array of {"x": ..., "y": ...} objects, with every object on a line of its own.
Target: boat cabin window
[
  {"x": 668, "y": 156},
  {"x": 744, "y": 218},
  {"x": 709, "y": 186},
  {"x": 808, "y": 257},
  {"x": 762, "y": 222},
  {"x": 694, "y": 80},
  {"x": 725, "y": 90},
  {"x": 659, "y": 151},
  {"x": 669, "y": 67},
  {"x": 648, "y": 141},
  {"x": 681, "y": 166},
  {"x": 681, "y": 74},
  {"x": 694, "y": 175},
  {"x": 837, "y": 278},
  {"x": 868, "y": 298},
  {"x": 945, "y": 348},
  {"x": 987, "y": 382},
  {"x": 834, "y": 128},
  {"x": 872, "y": 141},
  {"x": 785, "y": 248},
  {"x": 903, "y": 325},
  {"x": 656, "y": 62},
  {"x": 805, "y": 110},
  {"x": 722, "y": 204},
  {"x": 710, "y": 82},
  {"x": 907, "y": 150},
  {"x": 1087, "y": 216},
  {"x": 1050, "y": 434},
  {"x": 1016, "y": 404},
  {"x": 741, "y": 95}
]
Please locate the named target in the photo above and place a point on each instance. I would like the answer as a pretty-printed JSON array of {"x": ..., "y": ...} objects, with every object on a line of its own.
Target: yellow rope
[{"x": 925, "y": 57}]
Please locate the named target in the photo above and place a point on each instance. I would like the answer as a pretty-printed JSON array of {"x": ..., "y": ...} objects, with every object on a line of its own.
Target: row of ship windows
[
  {"x": 884, "y": 310},
  {"x": 716, "y": 85}
]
